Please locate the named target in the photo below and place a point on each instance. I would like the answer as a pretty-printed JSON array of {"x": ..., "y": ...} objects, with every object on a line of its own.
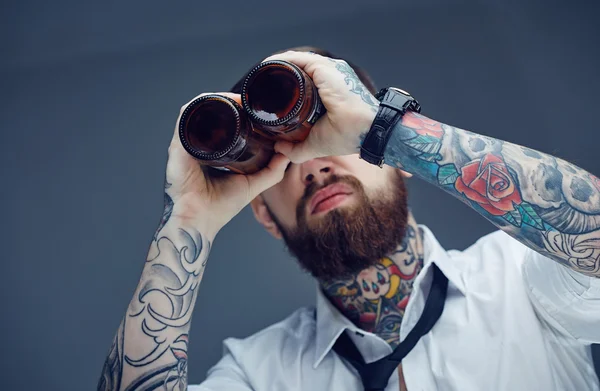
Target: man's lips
[{"x": 327, "y": 193}]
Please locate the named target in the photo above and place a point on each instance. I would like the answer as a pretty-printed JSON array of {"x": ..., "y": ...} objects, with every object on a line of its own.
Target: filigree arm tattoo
[
  {"x": 150, "y": 349},
  {"x": 355, "y": 85},
  {"x": 548, "y": 204}
]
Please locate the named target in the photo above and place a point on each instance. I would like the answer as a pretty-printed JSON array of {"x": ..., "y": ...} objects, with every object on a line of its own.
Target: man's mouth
[{"x": 329, "y": 197}]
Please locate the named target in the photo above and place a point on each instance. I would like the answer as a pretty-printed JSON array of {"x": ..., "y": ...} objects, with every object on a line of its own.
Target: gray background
[{"x": 90, "y": 95}]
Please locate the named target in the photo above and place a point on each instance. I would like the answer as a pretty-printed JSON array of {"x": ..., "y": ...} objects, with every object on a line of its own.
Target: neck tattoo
[{"x": 375, "y": 299}]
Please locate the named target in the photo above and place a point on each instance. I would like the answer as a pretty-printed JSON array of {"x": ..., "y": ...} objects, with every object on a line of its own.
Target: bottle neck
[
  {"x": 214, "y": 128},
  {"x": 274, "y": 93}
]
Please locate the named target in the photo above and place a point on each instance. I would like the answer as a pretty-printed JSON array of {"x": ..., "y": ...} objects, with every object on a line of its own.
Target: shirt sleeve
[
  {"x": 566, "y": 301},
  {"x": 226, "y": 375}
]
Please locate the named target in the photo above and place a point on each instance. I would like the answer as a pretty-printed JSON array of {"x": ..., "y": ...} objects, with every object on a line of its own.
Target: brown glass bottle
[
  {"x": 281, "y": 100},
  {"x": 215, "y": 130}
]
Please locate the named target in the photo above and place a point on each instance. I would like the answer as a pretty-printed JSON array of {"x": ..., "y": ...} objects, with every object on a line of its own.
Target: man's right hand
[{"x": 211, "y": 199}]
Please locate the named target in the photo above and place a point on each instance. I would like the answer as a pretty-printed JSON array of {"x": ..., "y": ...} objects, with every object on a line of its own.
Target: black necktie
[{"x": 375, "y": 376}]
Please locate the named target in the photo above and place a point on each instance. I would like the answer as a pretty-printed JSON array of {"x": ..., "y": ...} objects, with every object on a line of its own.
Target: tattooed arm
[
  {"x": 548, "y": 204},
  {"x": 150, "y": 349}
]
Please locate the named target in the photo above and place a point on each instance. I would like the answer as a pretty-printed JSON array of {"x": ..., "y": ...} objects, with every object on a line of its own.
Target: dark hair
[{"x": 362, "y": 75}]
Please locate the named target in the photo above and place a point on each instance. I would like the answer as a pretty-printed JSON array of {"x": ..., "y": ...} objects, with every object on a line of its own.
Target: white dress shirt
[{"x": 513, "y": 320}]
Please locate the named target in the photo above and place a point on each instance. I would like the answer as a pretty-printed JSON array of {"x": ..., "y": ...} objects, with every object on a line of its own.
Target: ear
[{"x": 263, "y": 216}]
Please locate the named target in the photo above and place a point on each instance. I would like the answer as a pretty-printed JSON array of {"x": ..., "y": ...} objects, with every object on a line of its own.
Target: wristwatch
[{"x": 394, "y": 104}]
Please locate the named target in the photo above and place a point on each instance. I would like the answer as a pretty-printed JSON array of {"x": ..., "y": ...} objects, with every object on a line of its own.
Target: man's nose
[{"x": 316, "y": 170}]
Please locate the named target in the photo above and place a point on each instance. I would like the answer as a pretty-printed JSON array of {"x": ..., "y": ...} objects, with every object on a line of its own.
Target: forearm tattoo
[
  {"x": 150, "y": 349},
  {"x": 546, "y": 203}
]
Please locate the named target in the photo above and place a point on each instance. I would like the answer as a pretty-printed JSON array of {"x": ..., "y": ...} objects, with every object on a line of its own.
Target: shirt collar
[{"x": 330, "y": 322}]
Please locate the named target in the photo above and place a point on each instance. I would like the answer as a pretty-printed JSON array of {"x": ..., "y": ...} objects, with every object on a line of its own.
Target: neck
[{"x": 375, "y": 298}]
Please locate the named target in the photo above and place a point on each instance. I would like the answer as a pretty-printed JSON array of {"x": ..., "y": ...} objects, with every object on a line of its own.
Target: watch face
[{"x": 400, "y": 91}]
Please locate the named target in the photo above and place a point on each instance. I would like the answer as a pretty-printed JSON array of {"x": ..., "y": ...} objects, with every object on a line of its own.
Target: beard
[{"x": 348, "y": 239}]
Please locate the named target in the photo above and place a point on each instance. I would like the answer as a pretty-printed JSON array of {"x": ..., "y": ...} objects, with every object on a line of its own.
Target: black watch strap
[{"x": 394, "y": 103}]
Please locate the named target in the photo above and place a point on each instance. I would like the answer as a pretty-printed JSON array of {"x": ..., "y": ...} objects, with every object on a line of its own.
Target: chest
[{"x": 481, "y": 342}]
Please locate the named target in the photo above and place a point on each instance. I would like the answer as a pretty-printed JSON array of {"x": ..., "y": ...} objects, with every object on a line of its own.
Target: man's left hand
[{"x": 351, "y": 108}]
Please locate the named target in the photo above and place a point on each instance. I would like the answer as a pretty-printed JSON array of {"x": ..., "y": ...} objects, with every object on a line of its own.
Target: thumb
[
  {"x": 268, "y": 176},
  {"x": 296, "y": 152}
]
